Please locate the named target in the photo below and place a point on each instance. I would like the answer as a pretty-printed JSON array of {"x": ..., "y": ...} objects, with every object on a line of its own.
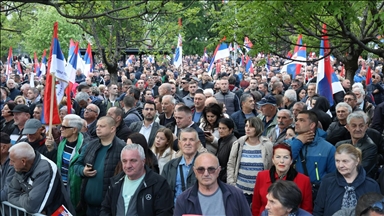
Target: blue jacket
[
  {"x": 233, "y": 198},
  {"x": 239, "y": 119},
  {"x": 319, "y": 155},
  {"x": 331, "y": 192}
]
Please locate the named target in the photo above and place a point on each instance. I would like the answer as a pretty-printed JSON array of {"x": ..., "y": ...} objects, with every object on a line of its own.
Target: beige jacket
[{"x": 235, "y": 156}]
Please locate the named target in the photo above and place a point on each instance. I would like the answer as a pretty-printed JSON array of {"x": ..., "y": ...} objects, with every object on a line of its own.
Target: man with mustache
[{"x": 284, "y": 120}]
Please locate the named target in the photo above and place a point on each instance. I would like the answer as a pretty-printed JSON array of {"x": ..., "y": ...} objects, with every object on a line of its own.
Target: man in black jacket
[
  {"x": 357, "y": 127},
  {"x": 122, "y": 130},
  {"x": 147, "y": 192}
]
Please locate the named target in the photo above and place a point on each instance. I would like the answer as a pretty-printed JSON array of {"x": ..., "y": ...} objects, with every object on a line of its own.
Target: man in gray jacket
[{"x": 36, "y": 185}]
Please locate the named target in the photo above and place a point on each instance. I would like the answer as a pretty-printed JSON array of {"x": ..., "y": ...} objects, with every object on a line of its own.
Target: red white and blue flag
[
  {"x": 293, "y": 67},
  {"x": 205, "y": 55},
  {"x": 9, "y": 62},
  {"x": 61, "y": 211},
  {"x": 247, "y": 44},
  {"x": 88, "y": 61},
  {"x": 70, "y": 69},
  {"x": 369, "y": 76},
  {"x": 249, "y": 65},
  {"x": 327, "y": 81},
  {"x": 221, "y": 52},
  {"x": 36, "y": 64},
  {"x": 43, "y": 65},
  {"x": 56, "y": 67},
  {"x": 19, "y": 68},
  {"x": 71, "y": 48}
]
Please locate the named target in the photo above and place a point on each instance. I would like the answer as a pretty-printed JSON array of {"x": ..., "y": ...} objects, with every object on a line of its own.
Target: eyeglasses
[
  {"x": 377, "y": 207},
  {"x": 89, "y": 110},
  {"x": 211, "y": 170},
  {"x": 65, "y": 127}
]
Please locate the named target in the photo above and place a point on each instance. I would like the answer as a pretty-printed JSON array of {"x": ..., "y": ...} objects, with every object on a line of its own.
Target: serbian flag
[
  {"x": 369, "y": 76},
  {"x": 43, "y": 65},
  {"x": 289, "y": 54},
  {"x": 71, "y": 48},
  {"x": 55, "y": 67},
  {"x": 36, "y": 64},
  {"x": 293, "y": 67},
  {"x": 9, "y": 62},
  {"x": 247, "y": 44},
  {"x": 70, "y": 69},
  {"x": 62, "y": 211},
  {"x": 178, "y": 58},
  {"x": 88, "y": 61},
  {"x": 327, "y": 81},
  {"x": 221, "y": 52},
  {"x": 248, "y": 65},
  {"x": 19, "y": 68}
]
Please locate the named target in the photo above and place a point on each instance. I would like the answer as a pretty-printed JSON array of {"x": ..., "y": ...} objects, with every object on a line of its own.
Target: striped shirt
[
  {"x": 251, "y": 163},
  {"x": 67, "y": 155}
]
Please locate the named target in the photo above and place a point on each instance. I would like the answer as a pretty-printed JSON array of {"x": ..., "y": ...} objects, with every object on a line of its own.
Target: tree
[{"x": 351, "y": 25}]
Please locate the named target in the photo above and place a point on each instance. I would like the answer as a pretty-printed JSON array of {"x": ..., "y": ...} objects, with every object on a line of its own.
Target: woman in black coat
[{"x": 227, "y": 138}]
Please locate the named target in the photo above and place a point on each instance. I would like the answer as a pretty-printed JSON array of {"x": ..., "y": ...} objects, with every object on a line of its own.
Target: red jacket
[{"x": 263, "y": 181}]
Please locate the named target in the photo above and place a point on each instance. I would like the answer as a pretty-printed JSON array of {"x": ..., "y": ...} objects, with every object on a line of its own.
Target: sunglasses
[
  {"x": 211, "y": 170},
  {"x": 65, "y": 127},
  {"x": 377, "y": 207}
]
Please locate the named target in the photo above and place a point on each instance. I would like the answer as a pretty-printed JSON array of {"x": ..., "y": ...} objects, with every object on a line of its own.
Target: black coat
[
  {"x": 154, "y": 196},
  {"x": 223, "y": 151}
]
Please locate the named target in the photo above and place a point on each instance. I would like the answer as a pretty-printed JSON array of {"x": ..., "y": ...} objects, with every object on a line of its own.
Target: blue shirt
[
  {"x": 358, "y": 78},
  {"x": 185, "y": 169},
  {"x": 196, "y": 116}
]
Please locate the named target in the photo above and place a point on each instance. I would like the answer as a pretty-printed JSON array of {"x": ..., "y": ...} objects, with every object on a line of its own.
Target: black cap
[
  {"x": 20, "y": 108},
  {"x": 4, "y": 138}
]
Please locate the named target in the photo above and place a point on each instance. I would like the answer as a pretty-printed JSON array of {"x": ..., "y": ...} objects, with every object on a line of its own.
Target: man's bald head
[{"x": 210, "y": 100}]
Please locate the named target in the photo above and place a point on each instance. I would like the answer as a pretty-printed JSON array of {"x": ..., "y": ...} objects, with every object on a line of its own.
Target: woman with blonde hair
[
  {"x": 342, "y": 189},
  {"x": 20, "y": 100},
  {"x": 162, "y": 147}
]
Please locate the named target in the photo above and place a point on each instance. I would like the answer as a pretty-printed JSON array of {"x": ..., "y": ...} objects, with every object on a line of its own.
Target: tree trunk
[
  {"x": 351, "y": 66},
  {"x": 112, "y": 69}
]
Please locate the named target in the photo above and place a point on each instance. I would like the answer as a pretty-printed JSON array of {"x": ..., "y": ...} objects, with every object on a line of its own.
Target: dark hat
[
  {"x": 31, "y": 126},
  {"x": 268, "y": 99},
  {"x": 20, "y": 108}
]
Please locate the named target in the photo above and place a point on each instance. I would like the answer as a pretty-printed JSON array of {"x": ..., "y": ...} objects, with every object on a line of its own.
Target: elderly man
[
  {"x": 210, "y": 196},
  {"x": 363, "y": 103},
  {"x": 290, "y": 98},
  {"x": 357, "y": 124},
  {"x": 298, "y": 107},
  {"x": 6, "y": 170},
  {"x": 168, "y": 106},
  {"x": 90, "y": 115},
  {"x": 148, "y": 127},
  {"x": 247, "y": 111},
  {"x": 20, "y": 116},
  {"x": 143, "y": 192},
  {"x": 36, "y": 185},
  {"x": 178, "y": 171},
  {"x": 336, "y": 130},
  {"x": 284, "y": 120},
  {"x": 268, "y": 113},
  {"x": 97, "y": 163}
]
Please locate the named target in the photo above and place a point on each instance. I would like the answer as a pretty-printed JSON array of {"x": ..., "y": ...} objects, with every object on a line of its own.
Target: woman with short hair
[
  {"x": 282, "y": 169},
  {"x": 342, "y": 189},
  {"x": 249, "y": 155},
  {"x": 284, "y": 198}
]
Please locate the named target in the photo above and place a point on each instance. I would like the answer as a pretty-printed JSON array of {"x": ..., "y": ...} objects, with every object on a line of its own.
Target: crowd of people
[{"x": 162, "y": 140}]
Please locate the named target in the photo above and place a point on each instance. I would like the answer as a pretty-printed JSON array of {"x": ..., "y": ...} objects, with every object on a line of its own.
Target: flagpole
[{"x": 51, "y": 105}]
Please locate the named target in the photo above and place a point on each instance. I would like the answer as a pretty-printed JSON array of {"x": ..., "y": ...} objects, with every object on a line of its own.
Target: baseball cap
[
  {"x": 20, "y": 108},
  {"x": 269, "y": 99},
  {"x": 31, "y": 126}
]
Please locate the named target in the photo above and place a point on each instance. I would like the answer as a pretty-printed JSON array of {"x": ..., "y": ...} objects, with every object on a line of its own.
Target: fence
[{"x": 7, "y": 209}]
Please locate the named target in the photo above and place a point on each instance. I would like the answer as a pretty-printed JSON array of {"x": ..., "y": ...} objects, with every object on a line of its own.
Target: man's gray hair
[
  {"x": 361, "y": 90},
  {"x": 134, "y": 146},
  {"x": 23, "y": 150},
  {"x": 244, "y": 97},
  {"x": 74, "y": 121},
  {"x": 209, "y": 91},
  {"x": 357, "y": 115},
  {"x": 82, "y": 96},
  {"x": 287, "y": 111},
  {"x": 286, "y": 76},
  {"x": 291, "y": 95},
  {"x": 343, "y": 104},
  {"x": 189, "y": 130},
  {"x": 167, "y": 88},
  {"x": 171, "y": 99},
  {"x": 65, "y": 108}
]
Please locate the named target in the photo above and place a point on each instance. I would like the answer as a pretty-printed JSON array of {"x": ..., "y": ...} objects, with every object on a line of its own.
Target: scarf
[
  {"x": 349, "y": 198},
  {"x": 290, "y": 176}
]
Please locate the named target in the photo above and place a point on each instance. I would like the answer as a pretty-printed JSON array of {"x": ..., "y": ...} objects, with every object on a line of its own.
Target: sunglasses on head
[
  {"x": 211, "y": 170},
  {"x": 376, "y": 207}
]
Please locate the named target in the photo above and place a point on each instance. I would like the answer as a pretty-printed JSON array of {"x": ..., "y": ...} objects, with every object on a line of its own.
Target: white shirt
[{"x": 146, "y": 131}]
